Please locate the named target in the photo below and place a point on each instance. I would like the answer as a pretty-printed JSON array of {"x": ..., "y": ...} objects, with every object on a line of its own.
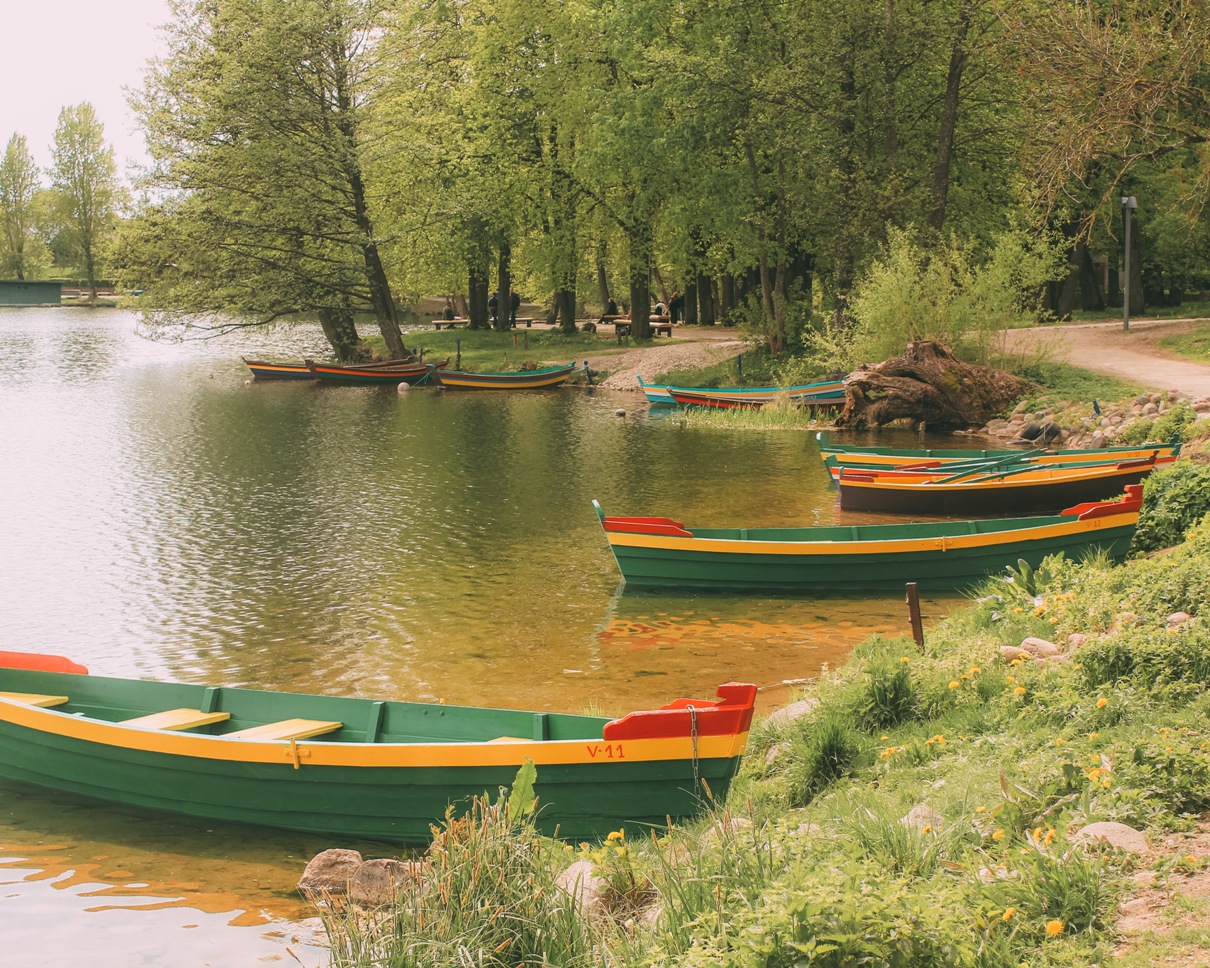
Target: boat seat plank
[
  {"x": 33, "y": 699},
  {"x": 177, "y": 719},
  {"x": 508, "y": 739},
  {"x": 287, "y": 729}
]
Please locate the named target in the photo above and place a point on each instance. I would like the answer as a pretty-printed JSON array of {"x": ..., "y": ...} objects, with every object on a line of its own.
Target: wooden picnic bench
[
  {"x": 448, "y": 323},
  {"x": 622, "y": 326}
]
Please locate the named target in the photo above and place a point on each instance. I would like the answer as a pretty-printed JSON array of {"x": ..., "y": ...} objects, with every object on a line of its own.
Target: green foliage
[
  {"x": 1175, "y": 498},
  {"x": 829, "y": 751},
  {"x": 890, "y": 696},
  {"x": 950, "y": 293},
  {"x": 1061, "y": 383},
  {"x": 487, "y": 897},
  {"x": 1175, "y": 424}
]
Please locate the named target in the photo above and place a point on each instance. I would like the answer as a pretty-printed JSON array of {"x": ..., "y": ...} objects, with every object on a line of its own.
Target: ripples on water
[{"x": 162, "y": 516}]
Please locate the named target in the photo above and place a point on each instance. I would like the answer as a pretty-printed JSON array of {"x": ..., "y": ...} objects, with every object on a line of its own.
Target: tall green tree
[
  {"x": 84, "y": 174},
  {"x": 19, "y": 182},
  {"x": 257, "y": 122}
]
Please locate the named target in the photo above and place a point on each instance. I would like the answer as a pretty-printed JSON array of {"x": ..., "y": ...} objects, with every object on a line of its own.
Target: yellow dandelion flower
[
  {"x": 1054, "y": 927},
  {"x": 1102, "y": 703},
  {"x": 980, "y": 809},
  {"x": 1008, "y": 913},
  {"x": 1020, "y": 690},
  {"x": 886, "y": 752},
  {"x": 1016, "y": 661},
  {"x": 953, "y": 683},
  {"x": 975, "y": 670},
  {"x": 884, "y": 738},
  {"x": 927, "y": 828},
  {"x": 1190, "y": 859},
  {"x": 1059, "y": 741},
  {"x": 1095, "y": 774},
  {"x": 1049, "y": 838},
  {"x": 998, "y": 835},
  {"x": 1105, "y": 783},
  {"x": 1093, "y": 735},
  {"x": 904, "y": 658}
]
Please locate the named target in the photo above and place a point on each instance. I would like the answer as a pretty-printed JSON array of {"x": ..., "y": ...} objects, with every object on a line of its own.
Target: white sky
[{"x": 63, "y": 52}]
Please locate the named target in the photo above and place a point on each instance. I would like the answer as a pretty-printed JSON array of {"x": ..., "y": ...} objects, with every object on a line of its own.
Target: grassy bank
[{"x": 925, "y": 807}]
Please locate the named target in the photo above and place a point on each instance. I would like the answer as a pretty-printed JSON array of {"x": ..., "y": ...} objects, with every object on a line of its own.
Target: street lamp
[{"x": 1128, "y": 203}]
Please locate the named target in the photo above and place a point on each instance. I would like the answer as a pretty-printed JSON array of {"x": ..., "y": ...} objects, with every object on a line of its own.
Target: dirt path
[
  {"x": 689, "y": 349},
  {"x": 1105, "y": 348}
]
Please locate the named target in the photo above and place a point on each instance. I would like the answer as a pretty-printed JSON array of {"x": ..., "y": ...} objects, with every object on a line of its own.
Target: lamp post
[{"x": 1128, "y": 203}]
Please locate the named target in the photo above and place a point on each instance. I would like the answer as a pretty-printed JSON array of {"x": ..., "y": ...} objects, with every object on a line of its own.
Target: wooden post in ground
[{"x": 913, "y": 603}]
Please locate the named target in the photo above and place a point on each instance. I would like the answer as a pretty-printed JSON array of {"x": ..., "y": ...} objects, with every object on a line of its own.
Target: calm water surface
[{"x": 163, "y": 517}]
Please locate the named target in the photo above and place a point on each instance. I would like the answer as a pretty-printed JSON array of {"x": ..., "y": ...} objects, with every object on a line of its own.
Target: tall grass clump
[{"x": 826, "y": 752}]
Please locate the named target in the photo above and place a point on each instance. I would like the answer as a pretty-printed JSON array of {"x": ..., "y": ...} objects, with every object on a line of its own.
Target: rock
[
  {"x": 921, "y": 816},
  {"x": 1011, "y": 653},
  {"x": 378, "y": 882},
  {"x": 586, "y": 887},
  {"x": 1076, "y": 639},
  {"x": 773, "y": 754},
  {"x": 1150, "y": 409},
  {"x": 1118, "y": 835},
  {"x": 1178, "y": 618},
  {"x": 1039, "y": 647},
  {"x": 330, "y": 871},
  {"x": 796, "y": 710},
  {"x": 1125, "y": 620}
]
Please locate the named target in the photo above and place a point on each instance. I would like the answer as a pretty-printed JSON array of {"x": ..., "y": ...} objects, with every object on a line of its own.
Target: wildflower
[
  {"x": 1093, "y": 735},
  {"x": 884, "y": 738},
  {"x": 1191, "y": 859},
  {"x": 1016, "y": 661},
  {"x": 1102, "y": 703},
  {"x": 1049, "y": 838},
  {"x": 904, "y": 658},
  {"x": 886, "y": 752},
  {"x": 1020, "y": 691},
  {"x": 616, "y": 835},
  {"x": 980, "y": 809},
  {"x": 1008, "y": 913},
  {"x": 1054, "y": 927},
  {"x": 999, "y": 834},
  {"x": 953, "y": 683},
  {"x": 927, "y": 829},
  {"x": 1095, "y": 774},
  {"x": 975, "y": 670},
  {"x": 1011, "y": 680},
  {"x": 1059, "y": 741},
  {"x": 1105, "y": 783}
]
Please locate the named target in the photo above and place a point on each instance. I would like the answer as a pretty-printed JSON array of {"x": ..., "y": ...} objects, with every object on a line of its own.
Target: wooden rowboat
[
  {"x": 263, "y": 370},
  {"x": 540, "y": 379},
  {"x": 374, "y": 374},
  {"x": 661, "y": 553},
  {"x": 1002, "y": 492},
  {"x": 655, "y": 393},
  {"x": 828, "y": 393},
  {"x": 356, "y": 767},
  {"x": 839, "y": 456}
]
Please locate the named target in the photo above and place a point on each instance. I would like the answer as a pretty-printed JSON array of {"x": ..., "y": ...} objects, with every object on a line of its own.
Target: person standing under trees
[
  {"x": 493, "y": 307},
  {"x": 514, "y": 303},
  {"x": 676, "y": 306}
]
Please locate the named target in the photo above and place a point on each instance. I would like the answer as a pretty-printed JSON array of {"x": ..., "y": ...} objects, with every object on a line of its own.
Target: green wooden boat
[
  {"x": 657, "y": 552},
  {"x": 357, "y": 768}
]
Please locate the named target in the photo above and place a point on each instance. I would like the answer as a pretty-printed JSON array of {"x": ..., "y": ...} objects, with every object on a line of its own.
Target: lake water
[{"x": 162, "y": 516}]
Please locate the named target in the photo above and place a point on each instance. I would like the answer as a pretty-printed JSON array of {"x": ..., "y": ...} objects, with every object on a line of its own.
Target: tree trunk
[
  {"x": 640, "y": 279},
  {"x": 705, "y": 300},
  {"x": 504, "y": 290},
  {"x": 691, "y": 304},
  {"x": 341, "y": 332},
  {"x": 477, "y": 283},
  {"x": 943, "y": 161},
  {"x": 602, "y": 277}
]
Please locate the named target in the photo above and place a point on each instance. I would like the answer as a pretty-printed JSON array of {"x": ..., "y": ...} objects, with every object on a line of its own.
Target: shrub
[
  {"x": 890, "y": 696},
  {"x": 1174, "y": 499}
]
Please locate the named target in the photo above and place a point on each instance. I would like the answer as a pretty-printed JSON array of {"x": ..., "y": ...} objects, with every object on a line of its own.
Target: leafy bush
[
  {"x": 1174, "y": 499},
  {"x": 890, "y": 696}
]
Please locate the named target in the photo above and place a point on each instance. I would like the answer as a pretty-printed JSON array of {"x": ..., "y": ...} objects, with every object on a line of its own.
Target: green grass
[
  {"x": 1194, "y": 345},
  {"x": 1064, "y": 383},
  {"x": 1189, "y": 310},
  {"x": 488, "y": 350}
]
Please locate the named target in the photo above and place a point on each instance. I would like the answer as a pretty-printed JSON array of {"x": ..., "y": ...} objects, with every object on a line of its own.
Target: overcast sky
[{"x": 63, "y": 52}]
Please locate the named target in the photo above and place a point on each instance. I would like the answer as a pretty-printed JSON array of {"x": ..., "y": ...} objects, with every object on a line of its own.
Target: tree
[
  {"x": 85, "y": 176},
  {"x": 257, "y": 124},
  {"x": 18, "y": 184}
]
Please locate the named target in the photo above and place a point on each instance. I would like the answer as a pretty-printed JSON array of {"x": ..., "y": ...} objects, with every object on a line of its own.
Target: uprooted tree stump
[{"x": 927, "y": 385}]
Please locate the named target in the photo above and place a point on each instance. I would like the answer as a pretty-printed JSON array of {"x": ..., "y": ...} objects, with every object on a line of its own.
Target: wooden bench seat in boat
[
  {"x": 33, "y": 699},
  {"x": 286, "y": 729},
  {"x": 177, "y": 719}
]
